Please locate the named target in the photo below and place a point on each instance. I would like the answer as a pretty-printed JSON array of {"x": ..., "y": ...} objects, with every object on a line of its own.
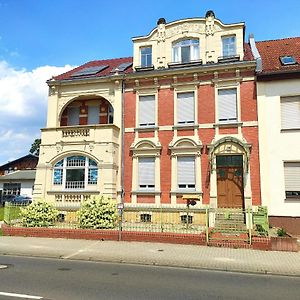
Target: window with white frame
[
  {"x": 146, "y": 56},
  {"x": 186, "y": 51},
  {"x": 292, "y": 179},
  {"x": 186, "y": 108},
  {"x": 186, "y": 172},
  {"x": 75, "y": 172},
  {"x": 290, "y": 112},
  {"x": 147, "y": 110},
  {"x": 146, "y": 173},
  {"x": 229, "y": 46},
  {"x": 227, "y": 105},
  {"x": 73, "y": 115},
  {"x": 93, "y": 114}
]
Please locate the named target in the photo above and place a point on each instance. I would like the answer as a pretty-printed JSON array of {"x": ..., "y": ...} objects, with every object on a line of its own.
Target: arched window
[
  {"x": 186, "y": 51},
  {"x": 75, "y": 172}
]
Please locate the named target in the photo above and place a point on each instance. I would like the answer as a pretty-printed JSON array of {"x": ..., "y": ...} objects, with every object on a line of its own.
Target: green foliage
[
  {"x": 39, "y": 214},
  {"x": 35, "y": 147},
  {"x": 98, "y": 213},
  {"x": 261, "y": 230},
  {"x": 281, "y": 232}
]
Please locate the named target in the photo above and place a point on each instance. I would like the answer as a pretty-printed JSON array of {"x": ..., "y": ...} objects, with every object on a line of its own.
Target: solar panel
[
  {"x": 122, "y": 67},
  {"x": 89, "y": 71}
]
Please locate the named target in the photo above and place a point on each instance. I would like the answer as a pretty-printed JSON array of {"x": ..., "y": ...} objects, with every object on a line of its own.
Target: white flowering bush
[
  {"x": 39, "y": 214},
  {"x": 98, "y": 213}
]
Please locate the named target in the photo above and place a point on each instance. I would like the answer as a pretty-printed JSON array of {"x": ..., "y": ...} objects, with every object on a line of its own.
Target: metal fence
[
  {"x": 147, "y": 218},
  {"x": 150, "y": 219}
]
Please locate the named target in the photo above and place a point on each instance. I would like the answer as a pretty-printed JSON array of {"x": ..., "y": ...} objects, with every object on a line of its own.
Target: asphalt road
[{"x": 66, "y": 279}]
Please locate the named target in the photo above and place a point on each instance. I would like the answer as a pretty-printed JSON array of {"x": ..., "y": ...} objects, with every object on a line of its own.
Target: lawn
[
  {"x": 14, "y": 213},
  {"x": 1, "y": 213}
]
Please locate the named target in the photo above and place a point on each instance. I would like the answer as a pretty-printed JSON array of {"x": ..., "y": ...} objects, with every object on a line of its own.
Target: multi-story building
[
  {"x": 176, "y": 121},
  {"x": 191, "y": 117},
  {"x": 278, "y": 96}
]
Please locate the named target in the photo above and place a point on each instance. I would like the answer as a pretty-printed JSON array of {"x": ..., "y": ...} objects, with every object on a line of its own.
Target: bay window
[{"x": 75, "y": 172}]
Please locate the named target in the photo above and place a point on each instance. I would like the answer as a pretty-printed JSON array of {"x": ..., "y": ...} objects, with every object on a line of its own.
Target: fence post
[
  {"x": 7, "y": 213},
  {"x": 249, "y": 225},
  {"x": 206, "y": 224}
]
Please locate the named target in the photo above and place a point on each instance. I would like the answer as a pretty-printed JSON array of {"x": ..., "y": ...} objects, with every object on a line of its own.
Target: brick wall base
[
  {"x": 111, "y": 235},
  {"x": 290, "y": 224}
]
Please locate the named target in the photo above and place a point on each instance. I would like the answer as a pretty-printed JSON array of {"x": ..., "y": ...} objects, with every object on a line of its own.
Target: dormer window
[
  {"x": 288, "y": 60},
  {"x": 186, "y": 51},
  {"x": 146, "y": 56},
  {"x": 228, "y": 46}
]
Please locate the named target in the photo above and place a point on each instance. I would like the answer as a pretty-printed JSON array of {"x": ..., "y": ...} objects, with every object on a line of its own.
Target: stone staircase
[{"x": 230, "y": 229}]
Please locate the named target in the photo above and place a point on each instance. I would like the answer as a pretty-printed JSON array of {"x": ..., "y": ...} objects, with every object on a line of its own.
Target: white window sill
[
  {"x": 145, "y": 192},
  {"x": 185, "y": 126},
  {"x": 229, "y": 124},
  {"x": 146, "y": 128}
]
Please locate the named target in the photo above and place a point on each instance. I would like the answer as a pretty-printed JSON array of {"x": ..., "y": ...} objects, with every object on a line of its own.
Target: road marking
[
  {"x": 20, "y": 296},
  {"x": 80, "y": 251}
]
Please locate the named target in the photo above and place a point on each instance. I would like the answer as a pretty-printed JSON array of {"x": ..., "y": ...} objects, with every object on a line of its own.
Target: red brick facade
[{"x": 206, "y": 132}]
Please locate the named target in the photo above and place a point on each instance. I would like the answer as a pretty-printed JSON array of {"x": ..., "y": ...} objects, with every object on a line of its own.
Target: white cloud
[{"x": 23, "y": 107}]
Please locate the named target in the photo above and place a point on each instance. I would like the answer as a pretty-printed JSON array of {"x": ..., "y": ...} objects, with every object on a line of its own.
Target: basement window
[
  {"x": 287, "y": 60},
  {"x": 145, "y": 218},
  {"x": 186, "y": 219}
]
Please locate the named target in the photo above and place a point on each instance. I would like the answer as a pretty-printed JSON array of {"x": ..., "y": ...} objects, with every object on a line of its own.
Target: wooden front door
[{"x": 230, "y": 181}]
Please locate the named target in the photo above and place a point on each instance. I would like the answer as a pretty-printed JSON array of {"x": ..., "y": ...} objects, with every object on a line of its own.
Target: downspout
[{"x": 122, "y": 140}]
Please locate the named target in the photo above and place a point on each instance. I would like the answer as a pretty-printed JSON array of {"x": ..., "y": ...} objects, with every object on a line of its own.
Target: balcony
[
  {"x": 104, "y": 133},
  {"x": 191, "y": 63}
]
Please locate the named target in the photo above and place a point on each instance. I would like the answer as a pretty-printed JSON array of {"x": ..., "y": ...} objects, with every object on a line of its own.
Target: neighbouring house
[
  {"x": 17, "y": 183},
  {"x": 17, "y": 177},
  {"x": 177, "y": 121},
  {"x": 278, "y": 97}
]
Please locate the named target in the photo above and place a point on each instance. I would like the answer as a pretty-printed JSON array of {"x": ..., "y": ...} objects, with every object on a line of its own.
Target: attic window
[{"x": 288, "y": 60}]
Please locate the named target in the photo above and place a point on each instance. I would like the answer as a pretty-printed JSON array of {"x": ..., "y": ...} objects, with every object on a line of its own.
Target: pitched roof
[
  {"x": 29, "y": 161},
  {"x": 271, "y": 51},
  {"x": 19, "y": 175},
  {"x": 110, "y": 64}
]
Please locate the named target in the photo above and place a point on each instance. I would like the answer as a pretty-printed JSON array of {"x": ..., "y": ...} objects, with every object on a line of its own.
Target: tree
[{"x": 35, "y": 147}]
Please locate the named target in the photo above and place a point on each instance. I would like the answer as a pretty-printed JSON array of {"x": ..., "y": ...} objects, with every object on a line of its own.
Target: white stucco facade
[{"x": 276, "y": 146}]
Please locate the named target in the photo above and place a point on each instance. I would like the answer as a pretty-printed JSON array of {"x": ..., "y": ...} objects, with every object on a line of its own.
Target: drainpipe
[{"x": 122, "y": 138}]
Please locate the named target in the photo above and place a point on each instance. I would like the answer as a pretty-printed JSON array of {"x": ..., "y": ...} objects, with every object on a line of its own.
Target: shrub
[
  {"x": 98, "y": 213},
  {"x": 39, "y": 214},
  {"x": 281, "y": 232}
]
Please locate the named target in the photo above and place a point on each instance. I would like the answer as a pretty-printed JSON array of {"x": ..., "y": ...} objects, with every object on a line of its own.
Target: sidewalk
[{"x": 239, "y": 260}]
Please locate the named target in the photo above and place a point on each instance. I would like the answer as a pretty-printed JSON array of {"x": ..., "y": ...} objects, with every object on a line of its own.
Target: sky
[{"x": 42, "y": 38}]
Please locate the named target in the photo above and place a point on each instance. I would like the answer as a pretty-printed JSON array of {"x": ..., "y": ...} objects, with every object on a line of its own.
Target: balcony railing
[
  {"x": 74, "y": 185},
  {"x": 75, "y": 132}
]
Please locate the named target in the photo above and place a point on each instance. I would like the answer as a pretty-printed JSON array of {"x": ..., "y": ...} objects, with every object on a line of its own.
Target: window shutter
[
  {"x": 146, "y": 110},
  {"x": 186, "y": 170},
  {"x": 292, "y": 176},
  {"x": 93, "y": 115},
  {"x": 185, "y": 108},
  {"x": 227, "y": 103},
  {"x": 146, "y": 171},
  {"x": 290, "y": 112},
  {"x": 73, "y": 116}
]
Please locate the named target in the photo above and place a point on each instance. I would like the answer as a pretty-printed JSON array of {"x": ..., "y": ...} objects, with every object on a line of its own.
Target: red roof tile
[
  {"x": 111, "y": 63},
  {"x": 271, "y": 51}
]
